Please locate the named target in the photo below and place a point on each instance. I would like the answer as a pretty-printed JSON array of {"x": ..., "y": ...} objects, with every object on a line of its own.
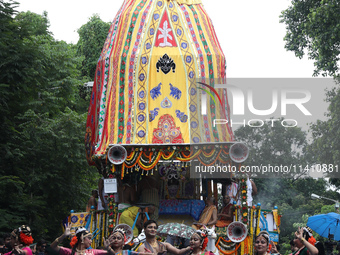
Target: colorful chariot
[{"x": 154, "y": 107}]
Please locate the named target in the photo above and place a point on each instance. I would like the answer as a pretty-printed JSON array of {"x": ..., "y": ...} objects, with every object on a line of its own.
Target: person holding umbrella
[
  {"x": 156, "y": 247},
  {"x": 302, "y": 244}
]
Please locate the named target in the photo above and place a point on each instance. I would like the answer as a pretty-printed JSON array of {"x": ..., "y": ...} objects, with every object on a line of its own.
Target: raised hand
[
  {"x": 106, "y": 242},
  {"x": 299, "y": 233},
  {"x": 68, "y": 227}
]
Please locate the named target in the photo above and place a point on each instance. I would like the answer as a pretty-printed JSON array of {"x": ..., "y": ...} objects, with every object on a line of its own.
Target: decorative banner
[
  {"x": 78, "y": 220},
  {"x": 273, "y": 236},
  {"x": 146, "y": 80},
  {"x": 165, "y": 36}
]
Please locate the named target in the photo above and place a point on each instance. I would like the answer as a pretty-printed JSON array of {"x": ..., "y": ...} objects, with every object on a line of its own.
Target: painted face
[
  {"x": 87, "y": 241},
  {"x": 261, "y": 244},
  {"x": 195, "y": 241},
  {"x": 14, "y": 241},
  {"x": 117, "y": 240},
  {"x": 151, "y": 230},
  {"x": 298, "y": 243}
]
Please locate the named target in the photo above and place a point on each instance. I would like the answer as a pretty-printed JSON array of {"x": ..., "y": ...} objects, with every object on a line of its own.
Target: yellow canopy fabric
[{"x": 146, "y": 88}]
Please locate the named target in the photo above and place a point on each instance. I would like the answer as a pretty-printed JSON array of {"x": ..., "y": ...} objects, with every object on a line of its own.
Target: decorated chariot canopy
[{"x": 155, "y": 82}]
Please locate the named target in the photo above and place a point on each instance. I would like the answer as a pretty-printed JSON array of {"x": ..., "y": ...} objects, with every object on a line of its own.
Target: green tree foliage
[
  {"x": 326, "y": 137},
  {"x": 92, "y": 36},
  {"x": 43, "y": 170},
  {"x": 313, "y": 26},
  {"x": 276, "y": 145},
  {"x": 33, "y": 24}
]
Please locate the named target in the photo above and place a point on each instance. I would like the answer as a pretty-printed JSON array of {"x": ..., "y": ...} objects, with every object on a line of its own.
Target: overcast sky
[{"x": 249, "y": 31}]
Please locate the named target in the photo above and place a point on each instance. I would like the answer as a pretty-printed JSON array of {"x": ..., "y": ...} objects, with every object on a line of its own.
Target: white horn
[
  {"x": 117, "y": 154},
  {"x": 238, "y": 152},
  {"x": 237, "y": 232}
]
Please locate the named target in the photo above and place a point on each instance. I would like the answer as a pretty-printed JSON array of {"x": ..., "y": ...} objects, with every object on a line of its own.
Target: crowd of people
[{"x": 20, "y": 241}]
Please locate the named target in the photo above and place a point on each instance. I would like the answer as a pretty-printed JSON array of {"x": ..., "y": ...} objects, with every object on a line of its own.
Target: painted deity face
[
  {"x": 151, "y": 230},
  {"x": 261, "y": 244},
  {"x": 195, "y": 241},
  {"x": 117, "y": 240}
]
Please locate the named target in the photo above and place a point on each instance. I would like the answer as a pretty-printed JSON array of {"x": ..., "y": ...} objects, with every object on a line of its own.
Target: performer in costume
[
  {"x": 198, "y": 243},
  {"x": 21, "y": 239},
  {"x": 305, "y": 247},
  {"x": 208, "y": 216},
  {"x": 226, "y": 215},
  {"x": 262, "y": 243},
  {"x": 79, "y": 243},
  {"x": 118, "y": 239},
  {"x": 156, "y": 247}
]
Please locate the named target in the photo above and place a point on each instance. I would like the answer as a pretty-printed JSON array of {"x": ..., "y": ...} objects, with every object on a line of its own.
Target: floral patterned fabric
[
  {"x": 191, "y": 207},
  {"x": 176, "y": 229},
  {"x": 146, "y": 86}
]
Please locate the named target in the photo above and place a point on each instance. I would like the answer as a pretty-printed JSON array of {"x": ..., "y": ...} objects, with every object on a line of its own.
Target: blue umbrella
[{"x": 325, "y": 224}]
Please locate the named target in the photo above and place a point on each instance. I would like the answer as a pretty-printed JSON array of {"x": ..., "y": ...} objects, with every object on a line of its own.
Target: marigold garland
[
  {"x": 251, "y": 229},
  {"x": 131, "y": 155},
  {"x": 222, "y": 161},
  {"x": 133, "y": 163},
  {"x": 167, "y": 157},
  {"x": 258, "y": 211},
  {"x": 186, "y": 156},
  {"x": 246, "y": 245},
  {"x": 228, "y": 253},
  {"x": 209, "y": 164},
  {"x": 244, "y": 203},
  {"x": 197, "y": 153},
  {"x": 137, "y": 155},
  {"x": 147, "y": 168},
  {"x": 221, "y": 243},
  {"x": 112, "y": 213},
  {"x": 242, "y": 247},
  {"x": 208, "y": 154},
  {"x": 236, "y": 212}
]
